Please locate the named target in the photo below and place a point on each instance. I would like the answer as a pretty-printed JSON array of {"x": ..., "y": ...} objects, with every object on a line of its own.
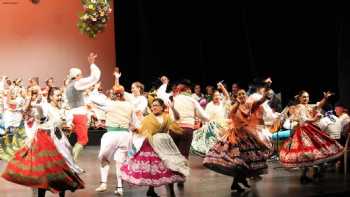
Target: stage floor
[{"x": 202, "y": 183}]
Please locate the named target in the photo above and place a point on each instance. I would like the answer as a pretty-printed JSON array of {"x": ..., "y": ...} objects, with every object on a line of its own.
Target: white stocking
[
  {"x": 119, "y": 176},
  {"x": 104, "y": 172}
]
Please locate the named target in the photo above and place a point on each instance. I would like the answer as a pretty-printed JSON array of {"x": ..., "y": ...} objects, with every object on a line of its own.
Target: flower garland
[{"x": 94, "y": 18}]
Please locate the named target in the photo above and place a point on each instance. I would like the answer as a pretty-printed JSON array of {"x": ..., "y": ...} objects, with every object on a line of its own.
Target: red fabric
[
  {"x": 41, "y": 166},
  {"x": 12, "y": 106},
  {"x": 309, "y": 146},
  {"x": 145, "y": 168},
  {"x": 81, "y": 128}
]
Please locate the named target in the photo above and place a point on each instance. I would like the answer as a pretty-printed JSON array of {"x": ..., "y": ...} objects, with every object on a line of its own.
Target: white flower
[{"x": 85, "y": 16}]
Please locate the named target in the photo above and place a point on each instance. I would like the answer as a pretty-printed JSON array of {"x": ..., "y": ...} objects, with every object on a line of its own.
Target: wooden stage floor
[{"x": 202, "y": 183}]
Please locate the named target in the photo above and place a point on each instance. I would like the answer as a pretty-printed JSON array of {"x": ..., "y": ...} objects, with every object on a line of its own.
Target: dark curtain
[
  {"x": 343, "y": 58},
  {"x": 155, "y": 38},
  {"x": 212, "y": 41}
]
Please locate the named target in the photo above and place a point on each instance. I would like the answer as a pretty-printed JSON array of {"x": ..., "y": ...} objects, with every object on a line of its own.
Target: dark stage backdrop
[
  {"x": 343, "y": 57},
  {"x": 209, "y": 42}
]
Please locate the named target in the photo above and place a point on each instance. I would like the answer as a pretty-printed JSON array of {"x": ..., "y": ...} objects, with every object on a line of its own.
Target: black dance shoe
[
  {"x": 152, "y": 193},
  {"x": 244, "y": 182},
  {"x": 235, "y": 186}
]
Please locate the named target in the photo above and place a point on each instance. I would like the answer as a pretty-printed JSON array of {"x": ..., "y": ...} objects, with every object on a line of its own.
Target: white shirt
[
  {"x": 162, "y": 94},
  {"x": 331, "y": 125},
  {"x": 188, "y": 107},
  {"x": 87, "y": 82},
  {"x": 139, "y": 102},
  {"x": 217, "y": 112},
  {"x": 118, "y": 113},
  {"x": 344, "y": 119}
]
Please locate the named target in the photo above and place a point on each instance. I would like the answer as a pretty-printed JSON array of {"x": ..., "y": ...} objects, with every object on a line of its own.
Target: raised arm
[
  {"x": 324, "y": 100},
  {"x": 95, "y": 74},
  {"x": 128, "y": 96},
  {"x": 117, "y": 75},
  {"x": 257, "y": 103},
  {"x": 224, "y": 91}
]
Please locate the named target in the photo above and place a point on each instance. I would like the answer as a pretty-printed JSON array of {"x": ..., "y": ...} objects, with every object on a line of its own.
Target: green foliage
[{"x": 94, "y": 18}]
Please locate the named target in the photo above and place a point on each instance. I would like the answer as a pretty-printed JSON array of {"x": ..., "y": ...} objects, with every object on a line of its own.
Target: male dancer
[{"x": 74, "y": 95}]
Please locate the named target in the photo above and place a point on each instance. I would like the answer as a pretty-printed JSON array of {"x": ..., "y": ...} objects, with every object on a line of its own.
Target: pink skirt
[{"x": 145, "y": 168}]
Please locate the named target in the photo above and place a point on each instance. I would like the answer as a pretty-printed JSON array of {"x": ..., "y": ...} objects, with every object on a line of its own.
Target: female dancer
[
  {"x": 139, "y": 102},
  {"x": 240, "y": 153},
  {"x": 39, "y": 164},
  {"x": 308, "y": 145},
  {"x": 206, "y": 136},
  {"x": 158, "y": 162}
]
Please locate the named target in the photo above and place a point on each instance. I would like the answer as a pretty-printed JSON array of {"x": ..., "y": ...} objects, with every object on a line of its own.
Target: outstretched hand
[
  {"x": 91, "y": 58},
  {"x": 327, "y": 94},
  {"x": 117, "y": 75},
  {"x": 220, "y": 86},
  {"x": 268, "y": 80}
]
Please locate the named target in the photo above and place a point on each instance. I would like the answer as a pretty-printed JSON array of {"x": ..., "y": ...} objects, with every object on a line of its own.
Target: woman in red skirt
[
  {"x": 308, "y": 146},
  {"x": 39, "y": 164}
]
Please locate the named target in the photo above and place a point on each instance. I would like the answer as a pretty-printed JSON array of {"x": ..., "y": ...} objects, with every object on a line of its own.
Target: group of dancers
[{"x": 151, "y": 137}]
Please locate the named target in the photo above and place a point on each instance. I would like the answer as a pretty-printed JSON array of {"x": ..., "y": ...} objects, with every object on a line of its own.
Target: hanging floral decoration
[{"x": 95, "y": 16}]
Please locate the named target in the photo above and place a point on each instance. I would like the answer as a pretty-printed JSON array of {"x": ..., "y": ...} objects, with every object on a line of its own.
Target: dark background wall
[{"x": 208, "y": 42}]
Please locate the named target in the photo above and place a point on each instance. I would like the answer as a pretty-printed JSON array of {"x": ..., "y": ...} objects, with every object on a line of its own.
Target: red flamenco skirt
[
  {"x": 309, "y": 146},
  {"x": 41, "y": 166},
  {"x": 145, "y": 168}
]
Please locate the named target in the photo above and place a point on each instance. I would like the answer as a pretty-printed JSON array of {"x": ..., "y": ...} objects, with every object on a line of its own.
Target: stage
[{"x": 202, "y": 183}]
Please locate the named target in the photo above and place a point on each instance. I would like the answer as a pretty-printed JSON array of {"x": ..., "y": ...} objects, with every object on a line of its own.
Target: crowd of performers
[{"x": 150, "y": 135}]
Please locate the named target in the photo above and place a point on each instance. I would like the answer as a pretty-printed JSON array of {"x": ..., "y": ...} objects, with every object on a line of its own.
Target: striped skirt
[{"x": 42, "y": 166}]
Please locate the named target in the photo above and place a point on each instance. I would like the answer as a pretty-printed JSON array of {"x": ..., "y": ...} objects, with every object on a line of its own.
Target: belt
[{"x": 117, "y": 129}]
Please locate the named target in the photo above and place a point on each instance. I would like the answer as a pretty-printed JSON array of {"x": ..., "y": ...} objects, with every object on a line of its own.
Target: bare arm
[
  {"x": 224, "y": 91},
  {"x": 257, "y": 103},
  {"x": 234, "y": 108},
  {"x": 304, "y": 117},
  {"x": 117, "y": 75},
  {"x": 176, "y": 114},
  {"x": 128, "y": 96},
  {"x": 323, "y": 102}
]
